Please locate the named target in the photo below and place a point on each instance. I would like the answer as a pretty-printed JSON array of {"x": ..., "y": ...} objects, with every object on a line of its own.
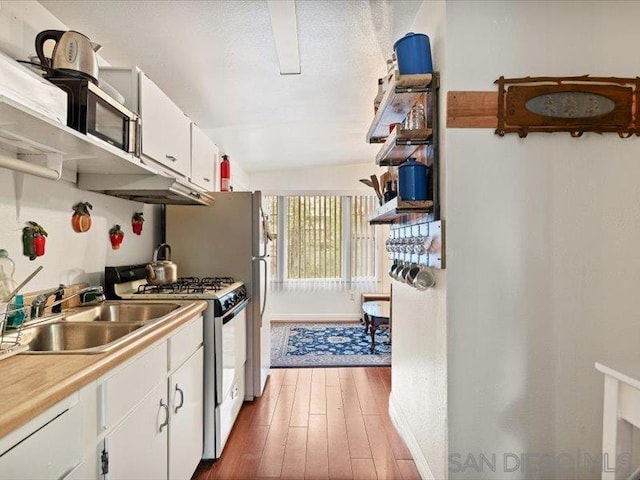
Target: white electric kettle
[{"x": 73, "y": 55}]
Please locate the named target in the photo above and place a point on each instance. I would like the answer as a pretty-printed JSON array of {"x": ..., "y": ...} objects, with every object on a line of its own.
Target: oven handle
[{"x": 236, "y": 310}]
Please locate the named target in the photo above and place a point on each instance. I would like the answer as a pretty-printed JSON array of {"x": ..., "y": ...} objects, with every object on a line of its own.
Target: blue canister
[
  {"x": 412, "y": 180},
  {"x": 413, "y": 53}
]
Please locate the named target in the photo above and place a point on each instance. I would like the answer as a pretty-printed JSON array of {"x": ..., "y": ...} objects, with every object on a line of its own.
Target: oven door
[{"x": 231, "y": 349}]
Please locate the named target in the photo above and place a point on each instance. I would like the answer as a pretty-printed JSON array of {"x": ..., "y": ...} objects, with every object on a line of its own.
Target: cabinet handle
[
  {"x": 172, "y": 158},
  {"x": 206, "y": 179},
  {"x": 166, "y": 412},
  {"x": 178, "y": 389}
]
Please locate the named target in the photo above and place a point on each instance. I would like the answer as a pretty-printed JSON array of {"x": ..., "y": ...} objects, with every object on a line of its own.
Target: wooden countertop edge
[{"x": 18, "y": 411}]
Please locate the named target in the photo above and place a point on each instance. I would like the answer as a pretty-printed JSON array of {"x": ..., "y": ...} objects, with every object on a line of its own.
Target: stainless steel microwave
[{"x": 92, "y": 112}]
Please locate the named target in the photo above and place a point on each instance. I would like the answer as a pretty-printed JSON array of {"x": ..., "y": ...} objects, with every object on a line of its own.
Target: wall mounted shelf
[
  {"x": 390, "y": 211},
  {"x": 402, "y": 93},
  {"x": 401, "y": 144},
  {"x": 419, "y": 217}
]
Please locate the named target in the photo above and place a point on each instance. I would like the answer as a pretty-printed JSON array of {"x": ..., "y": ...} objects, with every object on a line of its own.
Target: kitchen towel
[{"x": 306, "y": 344}]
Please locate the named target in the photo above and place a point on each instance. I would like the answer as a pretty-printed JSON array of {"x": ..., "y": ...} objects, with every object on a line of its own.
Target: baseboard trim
[
  {"x": 313, "y": 317},
  {"x": 404, "y": 430}
]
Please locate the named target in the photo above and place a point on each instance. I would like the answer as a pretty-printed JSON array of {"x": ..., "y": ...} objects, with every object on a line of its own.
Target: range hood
[{"x": 145, "y": 188}]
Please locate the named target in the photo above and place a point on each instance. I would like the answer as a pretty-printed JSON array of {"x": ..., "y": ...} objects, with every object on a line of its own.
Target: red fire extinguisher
[{"x": 225, "y": 174}]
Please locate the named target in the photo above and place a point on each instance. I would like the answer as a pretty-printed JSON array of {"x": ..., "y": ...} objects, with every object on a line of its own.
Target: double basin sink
[{"x": 96, "y": 329}]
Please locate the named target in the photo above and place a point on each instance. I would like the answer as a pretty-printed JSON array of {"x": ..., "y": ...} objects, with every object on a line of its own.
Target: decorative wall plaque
[{"x": 568, "y": 104}]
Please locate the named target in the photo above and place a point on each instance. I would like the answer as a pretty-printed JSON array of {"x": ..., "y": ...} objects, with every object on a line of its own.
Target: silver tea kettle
[
  {"x": 73, "y": 55},
  {"x": 161, "y": 272}
]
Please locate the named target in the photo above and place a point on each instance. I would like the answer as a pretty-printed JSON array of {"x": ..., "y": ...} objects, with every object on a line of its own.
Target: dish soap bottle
[{"x": 16, "y": 312}]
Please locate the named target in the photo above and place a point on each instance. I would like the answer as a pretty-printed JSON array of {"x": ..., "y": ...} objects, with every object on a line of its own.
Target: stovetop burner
[
  {"x": 188, "y": 285},
  {"x": 129, "y": 282}
]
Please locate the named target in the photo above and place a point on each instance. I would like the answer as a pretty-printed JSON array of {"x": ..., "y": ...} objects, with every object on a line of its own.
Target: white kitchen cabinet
[
  {"x": 88, "y": 469},
  {"x": 78, "y": 473},
  {"x": 141, "y": 420},
  {"x": 184, "y": 343},
  {"x": 185, "y": 424},
  {"x": 137, "y": 447},
  {"x": 166, "y": 131},
  {"x": 121, "y": 390},
  {"x": 204, "y": 159},
  {"x": 46, "y": 448},
  {"x": 160, "y": 436}
]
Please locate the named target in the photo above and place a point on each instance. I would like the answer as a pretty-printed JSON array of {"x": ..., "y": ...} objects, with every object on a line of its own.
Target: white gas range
[{"x": 224, "y": 340}]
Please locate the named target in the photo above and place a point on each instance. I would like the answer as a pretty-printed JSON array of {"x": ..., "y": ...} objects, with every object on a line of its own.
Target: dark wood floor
[{"x": 316, "y": 423}]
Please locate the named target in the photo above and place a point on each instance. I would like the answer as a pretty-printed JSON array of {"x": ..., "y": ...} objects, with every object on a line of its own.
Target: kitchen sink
[
  {"x": 122, "y": 312},
  {"x": 77, "y": 337},
  {"x": 95, "y": 329}
]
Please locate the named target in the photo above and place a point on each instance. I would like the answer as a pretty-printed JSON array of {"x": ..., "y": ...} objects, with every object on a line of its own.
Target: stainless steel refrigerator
[{"x": 228, "y": 238}]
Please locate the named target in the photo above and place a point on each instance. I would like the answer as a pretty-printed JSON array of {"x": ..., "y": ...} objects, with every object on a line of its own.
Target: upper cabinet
[
  {"x": 204, "y": 159},
  {"x": 155, "y": 166},
  {"x": 166, "y": 130}
]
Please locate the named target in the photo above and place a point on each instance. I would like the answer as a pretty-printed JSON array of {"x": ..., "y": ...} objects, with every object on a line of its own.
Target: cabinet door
[
  {"x": 51, "y": 451},
  {"x": 138, "y": 446},
  {"x": 185, "y": 432},
  {"x": 204, "y": 159},
  {"x": 123, "y": 388},
  {"x": 166, "y": 131}
]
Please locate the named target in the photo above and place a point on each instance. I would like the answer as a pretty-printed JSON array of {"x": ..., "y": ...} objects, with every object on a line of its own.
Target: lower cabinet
[
  {"x": 162, "y": 436},
  {"x": 142, "y": 420},
  {"x": 48, "y": 447},
  {"x": 137, "y": 447},
  {"x": 185, "y": 417}
]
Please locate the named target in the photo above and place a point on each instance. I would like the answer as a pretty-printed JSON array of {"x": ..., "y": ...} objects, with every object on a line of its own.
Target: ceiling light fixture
[{"x": 285, "y": 34}]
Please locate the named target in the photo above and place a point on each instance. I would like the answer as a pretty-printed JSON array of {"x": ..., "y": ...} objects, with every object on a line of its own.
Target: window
[{"x": 322, "y": 240}]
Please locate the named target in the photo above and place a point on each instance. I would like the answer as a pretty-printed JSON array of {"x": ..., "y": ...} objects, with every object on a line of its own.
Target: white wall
[
  {"x": 70, "y": 257},
  {"x": 337, "y": 180},
  {"x": 240, "y": 179},
  {"x": 542, "y": 242},
  {"x": 20, "y": 22},
  {"x": 419, "y": 363}
]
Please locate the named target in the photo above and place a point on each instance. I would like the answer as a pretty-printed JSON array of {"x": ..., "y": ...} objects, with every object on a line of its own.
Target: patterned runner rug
[{"x": 327, "y": 345}]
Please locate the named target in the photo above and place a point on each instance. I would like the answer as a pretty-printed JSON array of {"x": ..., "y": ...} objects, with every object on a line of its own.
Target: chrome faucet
[{"x": 40, "y": 303}]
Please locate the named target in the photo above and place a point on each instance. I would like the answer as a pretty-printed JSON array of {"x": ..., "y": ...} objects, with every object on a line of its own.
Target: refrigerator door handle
[
  {"x": 264, "y": 240},
  {"x": 266, "y": 289}
]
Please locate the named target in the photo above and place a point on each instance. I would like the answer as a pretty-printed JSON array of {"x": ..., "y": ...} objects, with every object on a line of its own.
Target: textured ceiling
[{"x": 217, "y": 61}]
